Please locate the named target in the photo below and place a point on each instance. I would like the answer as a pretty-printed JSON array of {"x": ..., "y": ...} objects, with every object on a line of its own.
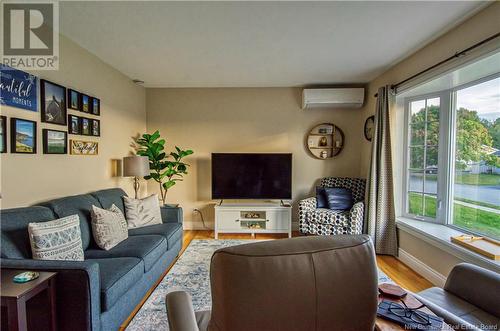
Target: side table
[{"x": 14, "y": 297}]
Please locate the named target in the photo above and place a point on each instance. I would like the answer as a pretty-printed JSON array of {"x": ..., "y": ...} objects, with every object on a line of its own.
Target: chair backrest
[
  {"x": 320, "y": 283},
  {"x": 356, "y": 185}
]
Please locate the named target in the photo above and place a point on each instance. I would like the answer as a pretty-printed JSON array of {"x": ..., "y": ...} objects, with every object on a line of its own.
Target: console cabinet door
[
  {"x": 277, "y": 220},
  {"x": 228, "y": 220}
]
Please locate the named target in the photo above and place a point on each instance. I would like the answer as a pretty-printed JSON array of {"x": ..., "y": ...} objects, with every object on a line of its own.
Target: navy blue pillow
[
  {"x": 339, "y": 198},
  {"x": 321, "y": 201}
]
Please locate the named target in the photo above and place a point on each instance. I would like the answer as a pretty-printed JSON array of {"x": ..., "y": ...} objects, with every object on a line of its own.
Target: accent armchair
[{"x": 321, "y": 221}]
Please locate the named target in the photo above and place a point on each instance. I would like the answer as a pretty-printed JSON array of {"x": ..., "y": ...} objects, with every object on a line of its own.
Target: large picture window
[{"x": 452, "y": 157}]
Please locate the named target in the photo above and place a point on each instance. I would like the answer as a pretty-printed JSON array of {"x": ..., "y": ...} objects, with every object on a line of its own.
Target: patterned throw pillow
[
  {"x": 109, "y": 226},
  {"x": 56, "y": 240},
  {"x": 142, "y": 212}
]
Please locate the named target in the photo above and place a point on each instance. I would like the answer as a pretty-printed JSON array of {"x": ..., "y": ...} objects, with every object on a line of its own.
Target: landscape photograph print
[
  {"x": 85, "y": 125},
  {"x": 74, "y": 124},
  {"x": 55, "y": 142},
  {"x": 96, "y": 128},
  {"x": 96, "y": 106},
  {"x": 53, "y": 102},
  {"x": 3, "y": 134},
  {"x": 85, "y": 103},
  {"x": 23, "y": 136},
  {"x": 73, "y": 99}
]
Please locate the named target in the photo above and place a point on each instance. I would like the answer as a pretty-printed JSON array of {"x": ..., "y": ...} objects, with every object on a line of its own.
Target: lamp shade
[{"x": 135, "y": 166}]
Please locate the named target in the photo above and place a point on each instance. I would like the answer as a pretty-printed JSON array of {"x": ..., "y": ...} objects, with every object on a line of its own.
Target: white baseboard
[{"x": 423, "y": 269}]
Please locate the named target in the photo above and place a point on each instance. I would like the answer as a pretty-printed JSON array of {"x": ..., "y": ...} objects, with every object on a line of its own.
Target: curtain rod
[{"x": 456, "y": 55}]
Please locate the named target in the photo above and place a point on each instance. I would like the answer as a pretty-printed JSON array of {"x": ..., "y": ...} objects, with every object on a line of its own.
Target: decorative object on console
[
  {"x": 80, "y": 147},
  {"x": 109, "y": 226},
  {"x": 55, "y": 142},
  {"x": 18, "y": 88},
  {"x": 74, "y": 100},
  {"x": 369, "y": 127},
  {"x": 142, "y": 212},
  {"x": 74, "y": 124},
  {"x": 53, "y": 102},
  {"x": 56, "y": 240},
  {"x": 164, "y": 171},
  {"x": 85, "y": 103},
  {"x": 136, "y": 166},
  {"x": 3, "y": 134},
  {"x": 25, "y": 277},
  {"x": 22, "y": 136},
  {"x": 95, "y": 106},
  {"x": 325, "y": 141},
  {"x": 96, "y": 128}
]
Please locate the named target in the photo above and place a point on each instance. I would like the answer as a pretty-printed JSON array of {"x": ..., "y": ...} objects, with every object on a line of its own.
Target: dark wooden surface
[{"x": 15, "y": 295}]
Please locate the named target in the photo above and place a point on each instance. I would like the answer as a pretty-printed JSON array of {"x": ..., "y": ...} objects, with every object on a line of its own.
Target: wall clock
[{"x": 369, "y": 128}]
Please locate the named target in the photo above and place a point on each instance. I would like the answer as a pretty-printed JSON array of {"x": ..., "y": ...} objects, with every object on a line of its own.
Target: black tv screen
[{"x": 251, "y": 176}]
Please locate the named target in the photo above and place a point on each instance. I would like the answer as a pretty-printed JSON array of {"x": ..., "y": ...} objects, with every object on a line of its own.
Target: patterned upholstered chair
[{"x": 321, "y": 221}]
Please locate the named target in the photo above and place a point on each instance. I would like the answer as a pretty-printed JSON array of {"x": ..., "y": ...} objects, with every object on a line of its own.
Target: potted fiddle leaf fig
[{"x": 166, "y": 168}]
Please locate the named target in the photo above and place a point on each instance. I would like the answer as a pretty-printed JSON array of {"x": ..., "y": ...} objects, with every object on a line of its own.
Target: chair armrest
[
  {"x": 171, "y": 215},
  {"x": 77, "y": 290},
  {"x": 356, "y": 215},
  {"x": 308, "y": 204},
  {"x": 180, "y": 312}
]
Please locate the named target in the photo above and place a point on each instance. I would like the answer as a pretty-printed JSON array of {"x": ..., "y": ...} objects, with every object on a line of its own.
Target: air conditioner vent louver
[{"x": 333, "y": 98}]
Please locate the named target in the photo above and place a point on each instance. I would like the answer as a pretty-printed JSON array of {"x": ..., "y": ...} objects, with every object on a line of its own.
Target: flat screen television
[{"x": 251, "y": 176}]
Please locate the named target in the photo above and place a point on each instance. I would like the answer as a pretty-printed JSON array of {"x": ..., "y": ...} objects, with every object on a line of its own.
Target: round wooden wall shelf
[{"x": 325, "y": 141}]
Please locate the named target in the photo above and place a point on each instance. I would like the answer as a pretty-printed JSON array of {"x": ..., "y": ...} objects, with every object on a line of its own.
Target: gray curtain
[{"x": 380, "y": 221}]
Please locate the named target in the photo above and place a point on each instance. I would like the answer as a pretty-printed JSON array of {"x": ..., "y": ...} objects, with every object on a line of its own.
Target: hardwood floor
[{"x": 396, "y": 270}]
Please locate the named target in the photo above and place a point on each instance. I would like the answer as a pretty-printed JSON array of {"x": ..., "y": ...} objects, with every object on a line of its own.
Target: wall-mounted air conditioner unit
[{"x": 333, "y": 98}]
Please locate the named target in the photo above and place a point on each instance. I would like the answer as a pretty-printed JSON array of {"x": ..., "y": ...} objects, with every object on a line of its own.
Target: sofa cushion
[
  {"x": 148, "y": 248},
  {"x": 109, "y": 197},
  {"x": 171, "y": 231},
  {"x": 80, "y": 205},
  {"x": 15, "y": 242},
  {"x": 117, "y": 276},
  {"x": 339, "y": 198},
  {"x": 142, "y": 212},
  {"x": 109, "y": 226}
]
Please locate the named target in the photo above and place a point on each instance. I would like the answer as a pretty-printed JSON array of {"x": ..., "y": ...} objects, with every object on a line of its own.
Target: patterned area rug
[{"x": 190, "y": 273}]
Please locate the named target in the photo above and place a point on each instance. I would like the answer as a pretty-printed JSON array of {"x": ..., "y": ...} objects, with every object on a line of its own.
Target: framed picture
[
  {"x": 19, "y": 88},
  {"x": 73, "y": 99},
  {"x": 85, "y": 103},
  {"x": 96, "y": 128},
  {"x": 369, "y": 127},
  {"x": 22, "y": 136},
  {"x": 85, "y": 125},
  {"x": 3, "y": 134},
  {"x": 80, "y": 147},
  {"x": 55, "y": 142},
  {"x": 95, "y": 106},
  {"x": 74, "y": 125},
  {"x": 53, "y": 102}
]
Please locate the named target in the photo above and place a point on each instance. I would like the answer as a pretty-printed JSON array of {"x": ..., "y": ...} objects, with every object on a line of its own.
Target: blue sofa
[{"x": 100, "y": 292}]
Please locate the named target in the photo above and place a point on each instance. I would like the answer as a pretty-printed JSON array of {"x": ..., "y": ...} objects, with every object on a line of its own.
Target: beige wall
[
  {"x": 245, "y": 120},
  {"x": 27, "y": 179}
]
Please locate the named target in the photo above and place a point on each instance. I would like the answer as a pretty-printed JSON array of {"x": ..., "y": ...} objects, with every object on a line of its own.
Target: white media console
[{"x": 253, "y": 218}]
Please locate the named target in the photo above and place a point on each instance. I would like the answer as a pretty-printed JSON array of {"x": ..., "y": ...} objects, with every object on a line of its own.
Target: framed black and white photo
[
  {"x": 55, "y": 142},
  {"x": 85, "y": 103},
  {"x": 96, "y": 128},
  {"x": 73, "y": 99},
  {"x": 22, "y": 136},
  {"x": 85, "y": 125},
  {"x": 95, "y": 106},
  {"x": 3, "y": 134},
  {"x": 74, "y": 125},
  {"x": 53, "y": 102}
]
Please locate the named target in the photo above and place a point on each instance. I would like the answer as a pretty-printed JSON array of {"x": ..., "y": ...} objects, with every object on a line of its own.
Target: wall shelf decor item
[
  {"x": 55, "y": 142},
  {"x": 53, "y": 102},
  {"x": 95, "y": 106},
  {"x": 85, "y": 125},
  {"x": 3, "y": 134},
  {"x": 369, "y": 128},
  {"x": 22, "y": 136},
  {"x": 96, "y": 128},
  {"x": 18, "y": 88},
  {"x": 80, "y": 147},
  {"x": 85, "y": 101},
  {"x": 74, "y": 125},
  {"x": 74, "y": 99},
  {"x": 325, "y": 141}
]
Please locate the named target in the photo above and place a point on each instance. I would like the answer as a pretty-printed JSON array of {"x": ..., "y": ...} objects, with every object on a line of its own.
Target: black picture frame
[
  {"x": 95, "y": 128},
  {"x": 3, "y": 134},
  {"x": 95, "y": 106},
  {"x": 53, "y": 111},
  {"x": 85, "y": 103},
  {"x": 74, "y": 100},
  {"x": 46, "y": 142},
  {"x": 369, "y": 120},
  {"x": 85, "y": 126},
  {"x": 74, "y": 124},
  {"x": 13, "y": 135}
]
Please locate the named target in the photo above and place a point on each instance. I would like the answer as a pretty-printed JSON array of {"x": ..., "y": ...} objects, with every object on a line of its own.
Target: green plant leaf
[{"x": 168, "y": 184}]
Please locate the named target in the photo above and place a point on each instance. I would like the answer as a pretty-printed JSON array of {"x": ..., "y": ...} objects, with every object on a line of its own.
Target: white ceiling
[{"x": 246, "y": 44}]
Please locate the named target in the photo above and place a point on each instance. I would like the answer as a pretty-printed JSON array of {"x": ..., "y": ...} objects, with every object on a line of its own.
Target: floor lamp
[{"x": 135, "y": 166}]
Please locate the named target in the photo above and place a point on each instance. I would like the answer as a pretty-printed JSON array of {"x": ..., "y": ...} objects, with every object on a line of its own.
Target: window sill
[{"x": 439, "y": 235}]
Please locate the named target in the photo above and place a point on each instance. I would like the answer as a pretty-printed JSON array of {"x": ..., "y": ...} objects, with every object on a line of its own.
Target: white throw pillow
[
  {"x": 60, "y": 239},
  {"x": 142, "y": 212},
  {"x": 109, "y": 226}
]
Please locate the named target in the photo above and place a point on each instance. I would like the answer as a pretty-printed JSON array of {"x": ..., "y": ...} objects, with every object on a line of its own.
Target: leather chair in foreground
[
  {"x": 470, "y": 299},
  {"x": 305, "y": 283}
]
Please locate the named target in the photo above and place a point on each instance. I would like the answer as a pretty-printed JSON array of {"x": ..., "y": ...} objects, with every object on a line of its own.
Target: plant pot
[{"x": 171, "y": 205}]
